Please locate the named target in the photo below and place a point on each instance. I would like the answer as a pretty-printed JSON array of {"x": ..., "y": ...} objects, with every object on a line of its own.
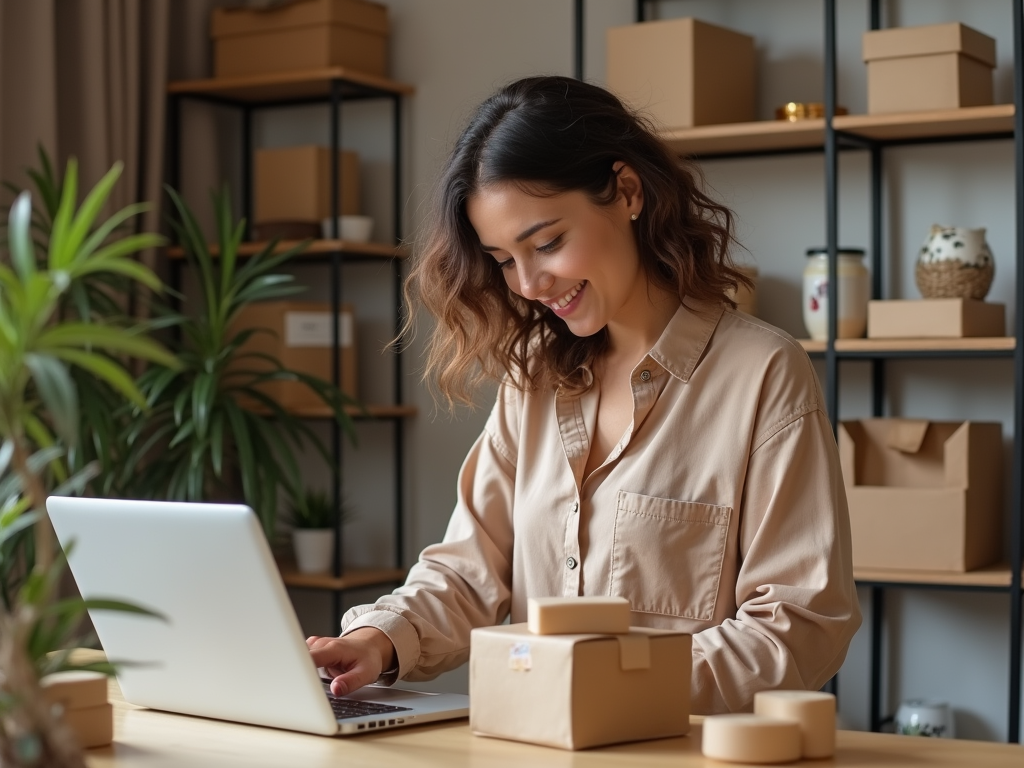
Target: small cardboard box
[
  {"x": 294, "y": 184},
  {"x": 300, "y": 337},
  {"x": 578, "y": 691},
  {"x": 300, "y": 35},
  {"x": 935, "y": 319},
  {"x": 82, "y": 699},
  {"x": 683, "y": 72},
  {"x": 923, "y": 495},
  {"x": 939, "y": 66}
]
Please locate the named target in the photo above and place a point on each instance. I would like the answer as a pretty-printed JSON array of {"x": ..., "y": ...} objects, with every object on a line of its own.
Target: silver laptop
[{"x": 232, "y": 647}]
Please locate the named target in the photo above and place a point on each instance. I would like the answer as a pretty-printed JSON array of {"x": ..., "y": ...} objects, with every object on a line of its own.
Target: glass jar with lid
[{"x": 854, "y": 290}]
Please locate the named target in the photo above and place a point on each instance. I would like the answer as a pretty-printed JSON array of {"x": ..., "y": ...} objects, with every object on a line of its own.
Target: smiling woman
[{"x": 646, "y": 436}]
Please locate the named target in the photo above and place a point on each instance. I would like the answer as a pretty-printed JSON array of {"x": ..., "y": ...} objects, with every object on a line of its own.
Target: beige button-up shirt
[{"x": 720, "y": 512}]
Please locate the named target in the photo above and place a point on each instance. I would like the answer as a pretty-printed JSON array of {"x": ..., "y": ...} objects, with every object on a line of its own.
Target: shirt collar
[{"x": 681, "y": 345}]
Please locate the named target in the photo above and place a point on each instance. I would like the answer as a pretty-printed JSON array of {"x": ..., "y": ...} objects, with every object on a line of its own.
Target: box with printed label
[
  {"x": 299, "y": 335},
  {"x": 683, "y": 72},
  {"x": 579, "y": 690},
  {"x": 294, "y": 184},
  {"x": 300, "y": 35},
  {"x": 935, "y": 67},
  {"x": 923, "y": 495}
]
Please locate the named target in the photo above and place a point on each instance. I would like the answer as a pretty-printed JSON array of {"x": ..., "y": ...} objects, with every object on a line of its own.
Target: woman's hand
[{"x": 354, "y": 660}]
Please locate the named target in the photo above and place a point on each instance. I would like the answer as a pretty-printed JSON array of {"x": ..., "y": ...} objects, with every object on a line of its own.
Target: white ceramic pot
[
  {"x": 314, "y": 549},
  {"x": 854, "y": 292},
  {"x": 356, "y": 229},
  {"x": 923, "y": 718}
]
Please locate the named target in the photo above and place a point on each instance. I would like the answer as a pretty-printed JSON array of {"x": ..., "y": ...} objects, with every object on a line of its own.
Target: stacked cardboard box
[
  {"x": 301, "y": 35},
  {"x": 935, "y": 67}
]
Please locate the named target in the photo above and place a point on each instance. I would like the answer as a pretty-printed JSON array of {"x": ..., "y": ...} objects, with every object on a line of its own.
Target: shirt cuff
[{"x": 401, "y": 634}]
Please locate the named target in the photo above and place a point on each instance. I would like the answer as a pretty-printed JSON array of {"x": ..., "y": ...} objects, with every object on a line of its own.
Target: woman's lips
[{"x": 567, "y": 303}]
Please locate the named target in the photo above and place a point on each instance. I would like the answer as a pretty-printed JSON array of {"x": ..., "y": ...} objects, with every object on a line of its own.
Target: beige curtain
[{"x": 87, "y": 78}]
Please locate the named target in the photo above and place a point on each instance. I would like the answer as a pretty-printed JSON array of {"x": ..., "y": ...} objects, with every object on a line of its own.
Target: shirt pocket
[{"x": 667, "y": 555}]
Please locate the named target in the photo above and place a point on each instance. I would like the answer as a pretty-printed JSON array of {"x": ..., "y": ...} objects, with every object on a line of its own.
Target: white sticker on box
[
  {"x": 519, "y": 658},
  {"x": 313, "y": 329}
]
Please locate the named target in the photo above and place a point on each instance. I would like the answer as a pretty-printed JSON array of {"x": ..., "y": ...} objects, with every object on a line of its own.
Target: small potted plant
[{"x": 312, "y": 520}]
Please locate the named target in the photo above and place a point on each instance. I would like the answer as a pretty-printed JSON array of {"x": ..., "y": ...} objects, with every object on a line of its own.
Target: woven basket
[{"x": 953, "y": 279}]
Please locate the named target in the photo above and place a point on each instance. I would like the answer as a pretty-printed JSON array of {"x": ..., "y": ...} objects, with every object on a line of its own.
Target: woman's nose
[{"x": 533, "y": 282}]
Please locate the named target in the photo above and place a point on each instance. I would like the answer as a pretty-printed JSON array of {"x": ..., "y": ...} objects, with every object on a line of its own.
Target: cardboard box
[
  {"x": 300, "y": 337},
  {"x": 923, "y": 495},
  {"x": 294, "y": 184},
  {"x": 82, "y": 699},
  {"x": 578, "y": 691},
  {"x": 935, "y": 319},
  {"x": 301, "y": 35},
  {"x": 940, "y": 66},
  {"x": 683, "y": 72}
]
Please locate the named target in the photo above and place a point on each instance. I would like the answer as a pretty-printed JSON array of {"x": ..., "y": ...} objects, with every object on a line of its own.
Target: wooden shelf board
[
  {"x": 314, "y": 248},
  {"x": 985, "y": 344},
  {"x": 374, "y": 412},
  {"x": 992, "y": 576},
  {"x": 351, "y": 579},
  {"x": 780, "y": 135},
  {"x": 997, "y": 118},
  {"x": 283, "y": 86},
  {"x": 760, "y": 136}
]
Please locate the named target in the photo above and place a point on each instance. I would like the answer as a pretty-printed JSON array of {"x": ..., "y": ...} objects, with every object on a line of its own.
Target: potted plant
[
  {"x": 200, "y": 426},
  {"x": 39, "y": 418},
  {"x": 313, "y": 531}
]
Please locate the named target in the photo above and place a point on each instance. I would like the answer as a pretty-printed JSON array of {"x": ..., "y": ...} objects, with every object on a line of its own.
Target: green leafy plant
[
  {"x": 315, "y": 510},
  {"x": 39, "y": 415},
  {"x": 211, "y": 416},
  {"x": 95, "y": 295}
]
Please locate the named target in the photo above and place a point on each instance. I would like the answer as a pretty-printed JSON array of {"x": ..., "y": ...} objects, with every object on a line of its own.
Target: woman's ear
[{"x": 630, "y": 192}]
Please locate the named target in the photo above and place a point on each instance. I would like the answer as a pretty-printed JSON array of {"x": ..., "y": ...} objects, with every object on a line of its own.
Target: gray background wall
[{"x": 943, "y": 646}]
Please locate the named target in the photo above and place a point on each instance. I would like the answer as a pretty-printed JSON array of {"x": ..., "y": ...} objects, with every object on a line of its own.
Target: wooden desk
[{"x": 150, "y": 739}]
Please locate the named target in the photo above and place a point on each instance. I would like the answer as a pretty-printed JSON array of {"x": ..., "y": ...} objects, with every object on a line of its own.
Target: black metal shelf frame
[
  {"x": 340, "y": 90},
  {"x": 836, "y": 141}
]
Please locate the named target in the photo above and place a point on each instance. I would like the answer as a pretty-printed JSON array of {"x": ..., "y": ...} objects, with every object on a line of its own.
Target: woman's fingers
[{"x": 350, "y": 661}]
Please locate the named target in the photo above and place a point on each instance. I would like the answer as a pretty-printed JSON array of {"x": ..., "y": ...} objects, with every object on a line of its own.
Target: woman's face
[{"x": 577, "y": 258}]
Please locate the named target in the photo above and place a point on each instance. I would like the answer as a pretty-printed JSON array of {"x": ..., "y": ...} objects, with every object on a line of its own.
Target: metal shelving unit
[
  {"x": 333, "y": 86},
  {"x": 873, "y": 133}
]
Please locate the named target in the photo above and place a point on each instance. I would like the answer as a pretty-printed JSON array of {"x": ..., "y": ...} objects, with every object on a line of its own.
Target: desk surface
[{"x": 149, "y": 739}]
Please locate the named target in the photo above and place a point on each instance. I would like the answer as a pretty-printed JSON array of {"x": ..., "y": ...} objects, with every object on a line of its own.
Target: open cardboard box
[
  {"x": 923, "y": 495},
  {"x": 579, "y": 690}
]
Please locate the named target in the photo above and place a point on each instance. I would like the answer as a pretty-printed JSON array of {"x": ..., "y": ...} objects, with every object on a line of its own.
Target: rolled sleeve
[
  {"x": 796, "y": 600},
  {"x": 460, "y": 583}
]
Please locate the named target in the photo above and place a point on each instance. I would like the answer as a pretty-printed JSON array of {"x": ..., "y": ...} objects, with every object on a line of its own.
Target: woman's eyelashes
[{"x": 551, "y": 246}]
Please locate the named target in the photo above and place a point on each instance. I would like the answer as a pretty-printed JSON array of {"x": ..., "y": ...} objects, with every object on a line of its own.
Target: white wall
[{"x": 949, "y": 646}]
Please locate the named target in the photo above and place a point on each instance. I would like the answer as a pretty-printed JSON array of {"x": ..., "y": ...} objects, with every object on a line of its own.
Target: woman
[{"x": 648, "y": 440}]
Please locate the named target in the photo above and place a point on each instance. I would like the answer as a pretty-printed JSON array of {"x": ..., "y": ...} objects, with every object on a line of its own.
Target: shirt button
[
  {"x": 645, "y": 375},
  {"x": 575, "y": 507},
  {"x": 570, "y": 563}
]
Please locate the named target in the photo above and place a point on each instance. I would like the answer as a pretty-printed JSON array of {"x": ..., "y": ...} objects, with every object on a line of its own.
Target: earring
[{"x": 632, "y": 217}]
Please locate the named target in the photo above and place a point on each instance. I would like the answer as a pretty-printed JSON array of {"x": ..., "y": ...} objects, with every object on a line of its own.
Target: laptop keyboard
[{"x": 346, "y": 708}]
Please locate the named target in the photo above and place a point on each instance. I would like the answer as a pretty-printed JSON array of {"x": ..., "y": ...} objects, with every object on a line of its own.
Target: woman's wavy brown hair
[{"x": 553, "y": 135}]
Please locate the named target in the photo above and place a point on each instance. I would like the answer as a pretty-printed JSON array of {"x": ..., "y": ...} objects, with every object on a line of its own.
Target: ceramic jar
[
  {"x": 954, "y": 263},
  {"x": 923, "y": 718},
  {"x": 854, "y": 290}
]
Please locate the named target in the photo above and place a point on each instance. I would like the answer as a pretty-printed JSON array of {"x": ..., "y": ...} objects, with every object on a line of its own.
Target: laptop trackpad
[{"x": 382, "y": 694}]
